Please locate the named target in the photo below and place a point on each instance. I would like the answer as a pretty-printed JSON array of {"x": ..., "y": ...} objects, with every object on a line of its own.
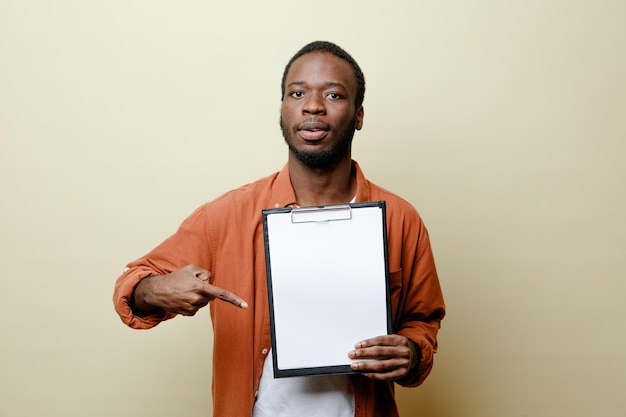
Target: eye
[
  {"x": 333, "y": 96},
  {"x": 297, "y": 94}
]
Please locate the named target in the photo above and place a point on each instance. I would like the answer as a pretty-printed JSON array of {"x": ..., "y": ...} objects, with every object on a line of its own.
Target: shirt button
[
  {"x": 276, "y": 205},
  {"x": 264, "y": 351}
]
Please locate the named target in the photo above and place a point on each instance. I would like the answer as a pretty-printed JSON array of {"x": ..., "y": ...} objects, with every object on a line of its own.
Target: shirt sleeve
[
  {"x": 422, "y": 306},
  {"x": 191, "y": 244}
]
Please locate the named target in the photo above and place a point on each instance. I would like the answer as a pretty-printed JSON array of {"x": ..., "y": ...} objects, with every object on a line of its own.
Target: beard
[{"x": 325, "y": 158}]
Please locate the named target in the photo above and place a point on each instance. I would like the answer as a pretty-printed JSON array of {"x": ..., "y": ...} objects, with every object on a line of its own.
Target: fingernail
[{"x": 243, "y": 304}]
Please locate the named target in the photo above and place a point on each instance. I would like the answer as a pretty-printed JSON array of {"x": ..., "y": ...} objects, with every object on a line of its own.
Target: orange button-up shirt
[{"x": 225, "y": 237}]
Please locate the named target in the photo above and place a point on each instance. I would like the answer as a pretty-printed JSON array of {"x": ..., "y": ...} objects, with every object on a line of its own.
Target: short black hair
[{"x": 331, "y": 48}]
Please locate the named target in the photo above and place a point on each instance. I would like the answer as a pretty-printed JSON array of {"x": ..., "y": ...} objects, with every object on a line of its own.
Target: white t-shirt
[{"x": 303, "y": 396}]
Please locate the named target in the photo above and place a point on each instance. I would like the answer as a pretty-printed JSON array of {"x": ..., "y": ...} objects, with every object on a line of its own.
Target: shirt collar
[
  {"x": 284, "y": 196},
  {"x": 362, "y": 185},
  {"x": 282, "y": 191}
]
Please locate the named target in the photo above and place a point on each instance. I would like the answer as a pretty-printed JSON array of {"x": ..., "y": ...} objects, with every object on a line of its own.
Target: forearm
[
  {"x": 124, "y": 294},
  {"x": 422, "y": 338},
  {"x": 415, "y": 356},
  {"x": 139, "y": 301}
]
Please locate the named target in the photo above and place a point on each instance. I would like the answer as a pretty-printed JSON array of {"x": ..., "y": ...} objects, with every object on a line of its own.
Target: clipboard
[{"x": 328, "y": 284}]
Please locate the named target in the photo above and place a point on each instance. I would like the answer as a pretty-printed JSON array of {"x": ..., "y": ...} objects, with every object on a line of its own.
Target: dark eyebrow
[
  {"x": 326, "y": 84},
  {"x": 334, "y": 84},
  {"x": 296, "y": 83}
]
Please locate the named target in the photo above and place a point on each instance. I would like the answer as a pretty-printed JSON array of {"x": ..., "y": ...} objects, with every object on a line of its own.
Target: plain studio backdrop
[{"x": 502, "y": 122}]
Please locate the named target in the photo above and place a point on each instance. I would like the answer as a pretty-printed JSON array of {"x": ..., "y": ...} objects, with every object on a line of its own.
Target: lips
[{"x": 312, "y": 130}]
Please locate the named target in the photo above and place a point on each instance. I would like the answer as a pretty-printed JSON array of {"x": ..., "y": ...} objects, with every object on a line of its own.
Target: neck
[{"x": 318, "y": 187}]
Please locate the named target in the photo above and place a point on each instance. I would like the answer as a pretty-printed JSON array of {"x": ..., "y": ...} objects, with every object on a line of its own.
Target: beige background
[{"x": 503, "y": 122}]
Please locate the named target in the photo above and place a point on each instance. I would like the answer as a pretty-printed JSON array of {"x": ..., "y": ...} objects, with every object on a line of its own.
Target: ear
[{"x": 359, "y": 118}]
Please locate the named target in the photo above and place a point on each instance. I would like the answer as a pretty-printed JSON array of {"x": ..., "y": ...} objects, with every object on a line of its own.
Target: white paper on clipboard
[{"x": 328, "y": 284}]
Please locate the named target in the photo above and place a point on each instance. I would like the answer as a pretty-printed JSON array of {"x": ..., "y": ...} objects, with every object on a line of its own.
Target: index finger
[
  {"x": 385, "y": 340},
  {"x": 224, "y": 295}
]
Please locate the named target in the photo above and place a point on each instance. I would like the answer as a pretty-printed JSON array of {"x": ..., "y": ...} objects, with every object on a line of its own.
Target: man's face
[{"x": 318, "y": 118}]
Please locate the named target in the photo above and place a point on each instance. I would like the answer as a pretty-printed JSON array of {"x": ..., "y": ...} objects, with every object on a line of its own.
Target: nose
[{"x": 314, "y": 104}]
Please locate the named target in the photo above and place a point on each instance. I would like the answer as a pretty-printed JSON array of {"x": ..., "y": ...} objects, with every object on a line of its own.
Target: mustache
[{"x": 313, "y": 123}]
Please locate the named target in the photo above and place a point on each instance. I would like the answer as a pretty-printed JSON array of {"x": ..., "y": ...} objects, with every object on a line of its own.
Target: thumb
[
  {"x": 203, "y": 275},
  {"x": 200, "y": 273}
]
